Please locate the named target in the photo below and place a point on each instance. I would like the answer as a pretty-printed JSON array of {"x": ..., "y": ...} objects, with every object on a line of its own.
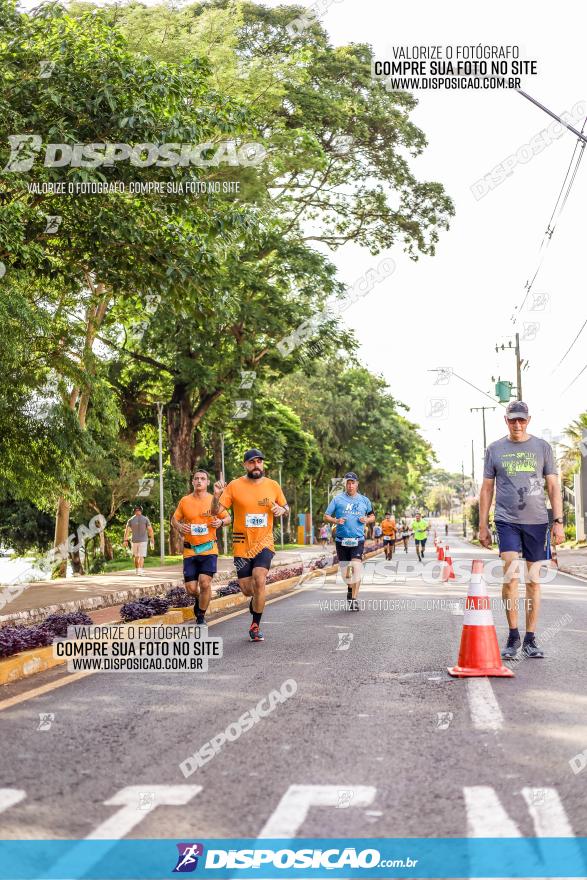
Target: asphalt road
[{"x": 377, "y": 740}]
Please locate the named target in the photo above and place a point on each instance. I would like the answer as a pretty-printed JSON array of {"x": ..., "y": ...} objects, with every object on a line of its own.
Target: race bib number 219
[{"x": 255, "y": 520}]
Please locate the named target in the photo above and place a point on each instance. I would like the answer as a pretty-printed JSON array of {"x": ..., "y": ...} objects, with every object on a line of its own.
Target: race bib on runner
[
  {"x": 350, "y": 542},
  {"x": 199, "y": 529},
  {"x": 255, "y": 520},
  {"x": 386, "y": 538}
]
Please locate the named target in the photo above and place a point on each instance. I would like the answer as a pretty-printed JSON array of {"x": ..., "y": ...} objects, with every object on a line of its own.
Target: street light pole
[
  {"x": 280, "y": 462},
  {"x": 223, "y": 532},
  {"x": 311, "y": 516},
  {"x": 161, "y": 512}
]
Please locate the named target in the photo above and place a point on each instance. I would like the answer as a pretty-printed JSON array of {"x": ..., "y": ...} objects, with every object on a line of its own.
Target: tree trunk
[
  {"x": 61, "y": 535},
  {"x": 180, "y": 429},
  {"x": 94, "y": 317},
  {"x": 108, "y": 551},
  {"x": 76, "y": 562}
]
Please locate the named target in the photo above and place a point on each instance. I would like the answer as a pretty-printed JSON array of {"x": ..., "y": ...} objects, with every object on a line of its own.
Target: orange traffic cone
[
  {"x": 448, "y": 572},
  {"x": 479, "y": 651},
  {"x": 440, "y": 553}
]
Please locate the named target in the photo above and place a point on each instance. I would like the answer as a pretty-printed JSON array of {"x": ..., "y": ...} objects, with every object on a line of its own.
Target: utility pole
[
  {"x": 161, "y": 512},
  {"x": 482, "y": 410},
  {"x": 473, "y": 461},
  {"x": 464, "y": 507},
  {"x": 519, "y": 362}
]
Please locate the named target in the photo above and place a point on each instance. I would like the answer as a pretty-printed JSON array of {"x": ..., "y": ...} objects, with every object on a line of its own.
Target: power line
[
  {"x": 580, "y": 144},
  {"x": 570, "y": 346},
  {"x": 580, "y": 373}
]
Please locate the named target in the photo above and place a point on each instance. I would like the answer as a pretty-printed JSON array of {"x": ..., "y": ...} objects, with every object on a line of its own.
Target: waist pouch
[{"x": 199, "y": 548}]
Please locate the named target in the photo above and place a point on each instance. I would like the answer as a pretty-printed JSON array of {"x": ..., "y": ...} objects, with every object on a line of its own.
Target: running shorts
[{"x": 532, "y": 541}]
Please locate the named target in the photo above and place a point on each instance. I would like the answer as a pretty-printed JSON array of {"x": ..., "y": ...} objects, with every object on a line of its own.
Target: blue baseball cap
[{"x": 351, "y": 476}]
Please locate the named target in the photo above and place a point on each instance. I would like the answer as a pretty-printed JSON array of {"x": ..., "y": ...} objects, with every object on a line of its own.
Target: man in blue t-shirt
[{"x": 350, "y": 512}]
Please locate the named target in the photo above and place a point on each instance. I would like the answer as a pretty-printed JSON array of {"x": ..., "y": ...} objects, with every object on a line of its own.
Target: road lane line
[
  {"x": 292, "y": 810},
  {"x": 547, "y": 812},
  {"x": 486, "y": 816},
  {"x": 130, "y": 814},
  {"x": 484, "y": 708},
  {"x": 9, "y": 797},
  {"x": 121, "y": 823}
]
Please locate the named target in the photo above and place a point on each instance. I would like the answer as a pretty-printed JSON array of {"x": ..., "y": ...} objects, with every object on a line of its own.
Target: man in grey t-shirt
[
  {"x": 518, "y": 466},
  {"x": 140, "y": 527}
]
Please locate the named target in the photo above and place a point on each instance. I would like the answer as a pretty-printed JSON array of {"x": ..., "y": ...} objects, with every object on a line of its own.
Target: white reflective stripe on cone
[
  {"x": 478, "y": 589},
  {"x": 472, "y": 617}
]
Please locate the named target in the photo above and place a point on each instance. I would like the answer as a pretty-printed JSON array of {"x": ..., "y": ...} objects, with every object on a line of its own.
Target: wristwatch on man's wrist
[{"x": 559, "y": 519}]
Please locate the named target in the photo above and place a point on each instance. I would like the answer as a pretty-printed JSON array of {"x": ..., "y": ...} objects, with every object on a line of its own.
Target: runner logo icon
[{"x": 187, "y": 859}]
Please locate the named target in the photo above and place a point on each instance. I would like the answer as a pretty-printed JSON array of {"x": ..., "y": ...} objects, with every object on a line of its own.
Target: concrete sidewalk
[
  {"x": 106, "y": 591},
  {"x": 573, "y": 561}
]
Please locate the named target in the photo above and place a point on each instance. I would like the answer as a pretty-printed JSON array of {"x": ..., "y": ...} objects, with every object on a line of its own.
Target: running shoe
[
  {"x": 511, "y": 649},
  {"x": 200, "y": 619},
  {"x": 532, "y": 650},
  {"x": 354, "y": 605},
  {"x": 255, "y": 633}
]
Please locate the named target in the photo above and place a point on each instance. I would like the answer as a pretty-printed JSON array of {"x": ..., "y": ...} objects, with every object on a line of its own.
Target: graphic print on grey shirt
[
  {"x": 139, "y": 525},
  {"x": 519, "y": 470}
]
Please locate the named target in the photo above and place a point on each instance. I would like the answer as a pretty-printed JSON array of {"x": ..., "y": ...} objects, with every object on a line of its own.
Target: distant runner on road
[
  {"x": 388, "y": 528},
  {"x": 256, "y": 500},
  {"x": 140, "y": 528},
  {"x": 350, "y": 512},
  {"x": 420, "y": 528},
  {"x": 518, "y": 465},
  {"x": 405, "y": 534},
  {"x": 197, "y": 525}
]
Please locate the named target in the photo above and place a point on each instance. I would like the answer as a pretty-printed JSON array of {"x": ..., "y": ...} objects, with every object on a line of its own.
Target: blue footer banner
[{"x": 299, "y": 858}]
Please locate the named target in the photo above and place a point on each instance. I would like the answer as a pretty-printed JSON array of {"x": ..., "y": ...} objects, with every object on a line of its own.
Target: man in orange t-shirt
[
  {"x": 388, "y": 527},
  {"x": 197, "y": 525},
  {"x": 256, "y": 501}
]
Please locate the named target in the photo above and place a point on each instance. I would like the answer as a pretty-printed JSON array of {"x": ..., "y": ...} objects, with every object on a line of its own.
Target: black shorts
[
  {"x": 244, "y": 567},
  {"x": 345, "y": 554},
  {"x": 388, "y": 540},
  {"x": 421, "y": 541},
  {"x": 194, "y": 566}
]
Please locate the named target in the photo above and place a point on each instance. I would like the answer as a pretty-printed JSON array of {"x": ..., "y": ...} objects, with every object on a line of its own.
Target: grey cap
[
  {"x": 351, "y": 476},
  {"x": 517, "y": 409}
]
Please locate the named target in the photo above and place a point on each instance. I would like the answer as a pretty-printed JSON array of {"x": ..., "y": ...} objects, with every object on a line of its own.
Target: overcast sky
[{"x": 450, "y": 310}]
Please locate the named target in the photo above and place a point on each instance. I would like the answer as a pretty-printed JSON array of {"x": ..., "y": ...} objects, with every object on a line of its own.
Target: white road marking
[
  {"x": 486, "y": 817},
  {"x": 123, "y": 821},
  {"x": 292, "y": 810},
  {"x": 547, "y": 812},
  {"x": 484, "y": 708},
  {"x": 9, "y": 797}
]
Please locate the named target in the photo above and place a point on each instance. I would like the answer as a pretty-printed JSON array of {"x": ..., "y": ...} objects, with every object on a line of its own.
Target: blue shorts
[
  {"x": 532, "y": 541},
  {"x": 194, "y": 566},
  {"x": 244, "y": 567}
]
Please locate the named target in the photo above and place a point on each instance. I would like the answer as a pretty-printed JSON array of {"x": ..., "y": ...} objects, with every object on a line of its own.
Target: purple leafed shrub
[
  {"x": 144, "y": 607},
  {"x": 14, "y": 639},
  {"x": 58, "y": 623},
  {"x": 228, "y": 589},
  {"x": 178, "y": 597}
]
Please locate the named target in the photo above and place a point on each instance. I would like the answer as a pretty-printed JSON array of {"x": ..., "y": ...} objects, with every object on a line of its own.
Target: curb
[
  {"x": 106, "y": 600},
  {"x": 28, "y": 663}
]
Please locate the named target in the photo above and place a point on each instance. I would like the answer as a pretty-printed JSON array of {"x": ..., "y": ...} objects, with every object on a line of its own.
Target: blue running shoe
[{"x": 255, "y": 633}]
